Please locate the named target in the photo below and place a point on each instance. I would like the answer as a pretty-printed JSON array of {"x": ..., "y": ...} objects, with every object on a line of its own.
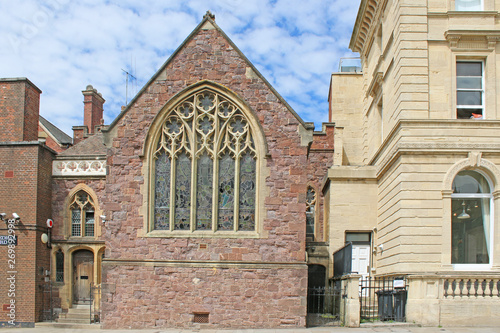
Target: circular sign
[{"x": 50, "y": 223}]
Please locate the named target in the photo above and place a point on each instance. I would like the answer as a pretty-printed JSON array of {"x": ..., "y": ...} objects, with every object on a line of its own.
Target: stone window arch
[
  {"x": 82, "y": 213},
  {"x": 204, "y": 166}
]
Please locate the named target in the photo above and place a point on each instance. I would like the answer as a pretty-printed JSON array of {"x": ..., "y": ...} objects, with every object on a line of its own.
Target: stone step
[
  {"x": 78, "y": 311},
  {"x": 78, "y": 326},
  {"x": 85, "y": 320}
]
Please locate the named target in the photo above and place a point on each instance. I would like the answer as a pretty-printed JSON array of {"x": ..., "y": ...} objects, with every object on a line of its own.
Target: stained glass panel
[
  {"x": 162, "y": 192},
  {"x": 204, "y": 193},
  {"x": 182, "y": 192},
  {"x": 226, "y": 193},
  {"x": 247, "y": 193}
]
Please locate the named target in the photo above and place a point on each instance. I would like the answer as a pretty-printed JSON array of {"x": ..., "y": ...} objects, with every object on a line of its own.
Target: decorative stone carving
[{"x": 79, "y": 168}]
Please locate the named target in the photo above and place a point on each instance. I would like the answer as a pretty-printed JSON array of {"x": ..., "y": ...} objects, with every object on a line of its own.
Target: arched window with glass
[
  {"x": 472, "y": 212},
  {"x": 82, "y": 215},
  {"x": 310, "y": 213},
  {"x": 204, "y": 167}
]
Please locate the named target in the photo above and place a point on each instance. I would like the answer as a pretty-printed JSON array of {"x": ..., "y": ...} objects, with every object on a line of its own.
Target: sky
[{"x": 62, "y": 46}]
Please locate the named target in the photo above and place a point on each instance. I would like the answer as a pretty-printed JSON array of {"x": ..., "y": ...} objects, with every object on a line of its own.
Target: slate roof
[
  {"x": 58, "y": 135},
  {"x": 92, "y": 146}
]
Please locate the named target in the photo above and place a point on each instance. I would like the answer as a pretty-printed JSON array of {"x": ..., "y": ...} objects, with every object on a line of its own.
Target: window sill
[
  {"x": 472, "y": 267},
  {"x": 202, "y": 234}
]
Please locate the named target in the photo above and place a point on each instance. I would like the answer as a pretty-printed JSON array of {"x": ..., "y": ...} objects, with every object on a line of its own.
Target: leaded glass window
[
  {"x": 310, "y": 212},
  {"x": 82, "y": 215},
  {"x": 59, "y": 266},
  {"x": 205, "y": 167}
]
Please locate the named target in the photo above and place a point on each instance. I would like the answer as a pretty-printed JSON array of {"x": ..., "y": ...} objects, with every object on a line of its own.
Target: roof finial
[{"x": 209, "y": 15}]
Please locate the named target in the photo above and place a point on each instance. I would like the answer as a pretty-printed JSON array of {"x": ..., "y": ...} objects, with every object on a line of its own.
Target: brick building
[{"x": 189, "y": 208}]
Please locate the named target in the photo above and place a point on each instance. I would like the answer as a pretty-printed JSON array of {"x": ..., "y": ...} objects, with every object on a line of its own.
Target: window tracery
[
  {"x": 82, "y": 215},
  {"x": 310, "y": 212},
  {"x": 205, "y": 167}
]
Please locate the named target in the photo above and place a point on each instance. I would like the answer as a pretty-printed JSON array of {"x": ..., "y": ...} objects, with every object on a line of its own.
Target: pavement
[{"x": 368, "y": 328}]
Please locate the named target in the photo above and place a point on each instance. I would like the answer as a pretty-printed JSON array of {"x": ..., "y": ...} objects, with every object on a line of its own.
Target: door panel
[{"x": 83, "y": 275}]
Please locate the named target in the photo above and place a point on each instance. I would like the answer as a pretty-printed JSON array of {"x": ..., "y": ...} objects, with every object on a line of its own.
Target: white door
[{"x": 361, "y": 259}]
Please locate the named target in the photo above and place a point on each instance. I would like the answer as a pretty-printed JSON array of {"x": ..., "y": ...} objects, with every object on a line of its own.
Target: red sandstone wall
[{"x": 138, "y": 296}]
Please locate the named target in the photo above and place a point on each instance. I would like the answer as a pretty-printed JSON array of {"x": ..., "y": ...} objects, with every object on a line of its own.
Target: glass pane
[
  {"x": 357, "y": 237},
  {"x": 469, "y": 82},
  {"x": 76, "y": 222},
  {"x": 247, "y": 193},
  {"x": 59, "y": 266},
  {"x": 226, "y": 193},
  {"x": 89, "y": 223},
  {"x": 182, "y": 192},
  {"x": 162, "y": 192},
  {"x": 465, "y": 5},
  {"x": 470, "y": 231},
  {"x": 469, "y": 68},
  {"x": 468, "y": 181},
  {"x": 204, "y": 193},
  {"x": 469, "y": 98},
  {"x": 469, "y": 113}
]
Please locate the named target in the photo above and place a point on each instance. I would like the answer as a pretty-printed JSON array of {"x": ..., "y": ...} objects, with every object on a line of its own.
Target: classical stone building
[{"x": 418, "y": 175}]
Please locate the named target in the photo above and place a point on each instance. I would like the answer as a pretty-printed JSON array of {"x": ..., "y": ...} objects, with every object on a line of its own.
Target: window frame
[
  {"x": 151, "y": 147},
  {"x": 88, "y": 206},
  {"x": 482, "y": 90},
  {"x": 489, "y": 265}
]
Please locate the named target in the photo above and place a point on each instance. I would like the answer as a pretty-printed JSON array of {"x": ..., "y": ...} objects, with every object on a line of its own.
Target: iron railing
[
  {"x": 323, "y": 304},
  {"x": 383, "y": 298}
]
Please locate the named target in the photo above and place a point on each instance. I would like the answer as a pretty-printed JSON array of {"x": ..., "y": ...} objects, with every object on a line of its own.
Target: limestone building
[{"x": 417, "y": 176}]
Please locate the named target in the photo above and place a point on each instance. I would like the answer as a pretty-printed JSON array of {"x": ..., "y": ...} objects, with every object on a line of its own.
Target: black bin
[
  {"x": 400, "y": 304},
  {"x": 385, "y": 308}
]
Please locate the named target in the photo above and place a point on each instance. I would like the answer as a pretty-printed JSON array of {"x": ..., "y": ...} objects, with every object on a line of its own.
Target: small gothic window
[
  {"x": 310, "y": 212},
  {"x": 82, "y": 215},
  {"x": 205, "y": 167},
  {"x": 59, "y": 266}
]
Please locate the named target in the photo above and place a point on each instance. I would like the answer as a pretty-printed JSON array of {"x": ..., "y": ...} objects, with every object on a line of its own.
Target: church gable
[{"x": 209, "y": 164}]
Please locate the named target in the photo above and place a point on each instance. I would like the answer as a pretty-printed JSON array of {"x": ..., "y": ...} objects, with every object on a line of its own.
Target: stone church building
[{"x": 208, "y": 202}]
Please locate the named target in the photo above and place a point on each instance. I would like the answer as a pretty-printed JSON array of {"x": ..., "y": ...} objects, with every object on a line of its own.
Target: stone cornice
[
  {"x": 363, "y": 30},
  {"x": 472, "y": 39}
]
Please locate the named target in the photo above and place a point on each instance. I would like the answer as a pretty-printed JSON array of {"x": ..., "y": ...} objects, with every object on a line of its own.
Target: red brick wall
[
  {"x": 19, "y": 110},
  {"x": 209, "y": 56},
  {"x": 25, "y": 172}
]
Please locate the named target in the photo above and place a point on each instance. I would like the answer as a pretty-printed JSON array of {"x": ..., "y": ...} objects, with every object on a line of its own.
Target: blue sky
[{"x": 62, "y": 46}]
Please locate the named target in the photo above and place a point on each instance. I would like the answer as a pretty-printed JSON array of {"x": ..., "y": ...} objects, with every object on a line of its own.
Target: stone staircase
[{"x": 77, "y": 317}]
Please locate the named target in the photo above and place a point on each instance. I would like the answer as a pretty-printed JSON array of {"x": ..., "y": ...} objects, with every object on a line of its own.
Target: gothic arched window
[
  {"x": 82, "y": 215},
  {"x": 204, "y": 166},
  {"x": 59, "y": 266},
  {"x": 310, "y": 212}
]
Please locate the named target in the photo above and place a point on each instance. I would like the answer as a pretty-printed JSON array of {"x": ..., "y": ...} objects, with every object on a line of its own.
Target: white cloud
[{"x": 62, "y": 46}]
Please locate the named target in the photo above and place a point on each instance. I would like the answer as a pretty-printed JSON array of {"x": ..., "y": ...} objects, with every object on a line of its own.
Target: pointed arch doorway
[{"x": 83, "y": 276}]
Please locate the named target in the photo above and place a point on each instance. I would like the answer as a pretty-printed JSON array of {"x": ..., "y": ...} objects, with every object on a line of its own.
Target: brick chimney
[
  {"x": 19, "y": 109},
  {"x": 92, "y": 114}
]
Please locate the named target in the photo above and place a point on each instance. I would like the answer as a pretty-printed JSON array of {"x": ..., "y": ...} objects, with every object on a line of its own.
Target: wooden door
[{"x": 83, "y": 275}]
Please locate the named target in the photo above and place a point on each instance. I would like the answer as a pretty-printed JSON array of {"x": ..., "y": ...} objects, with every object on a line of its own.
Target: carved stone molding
[{"x": 79, "y": 168}]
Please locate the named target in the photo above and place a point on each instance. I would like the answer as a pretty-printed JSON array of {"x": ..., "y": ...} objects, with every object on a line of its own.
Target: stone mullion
[
  {"x": 173, "y": 168},
  {"x": 215, "y": 176},
  {"x": 236, "y": 219},
  {"x": 194, "y": 168}
]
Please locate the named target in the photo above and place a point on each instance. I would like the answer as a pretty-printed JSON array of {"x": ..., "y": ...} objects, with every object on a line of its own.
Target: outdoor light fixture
[{"x": 463, "y": 215}]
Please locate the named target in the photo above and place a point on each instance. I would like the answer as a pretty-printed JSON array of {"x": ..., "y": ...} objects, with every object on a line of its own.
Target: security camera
[
  {"x": 15, "y": 216},
  {"x": 2, "y": 216},
  {"x": 103, "y": 218}
]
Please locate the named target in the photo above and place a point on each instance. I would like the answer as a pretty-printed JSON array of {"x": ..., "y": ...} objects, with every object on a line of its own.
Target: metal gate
[
  {"x": 383, "y": 298},
  {"x": 323, "y": 305}
]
